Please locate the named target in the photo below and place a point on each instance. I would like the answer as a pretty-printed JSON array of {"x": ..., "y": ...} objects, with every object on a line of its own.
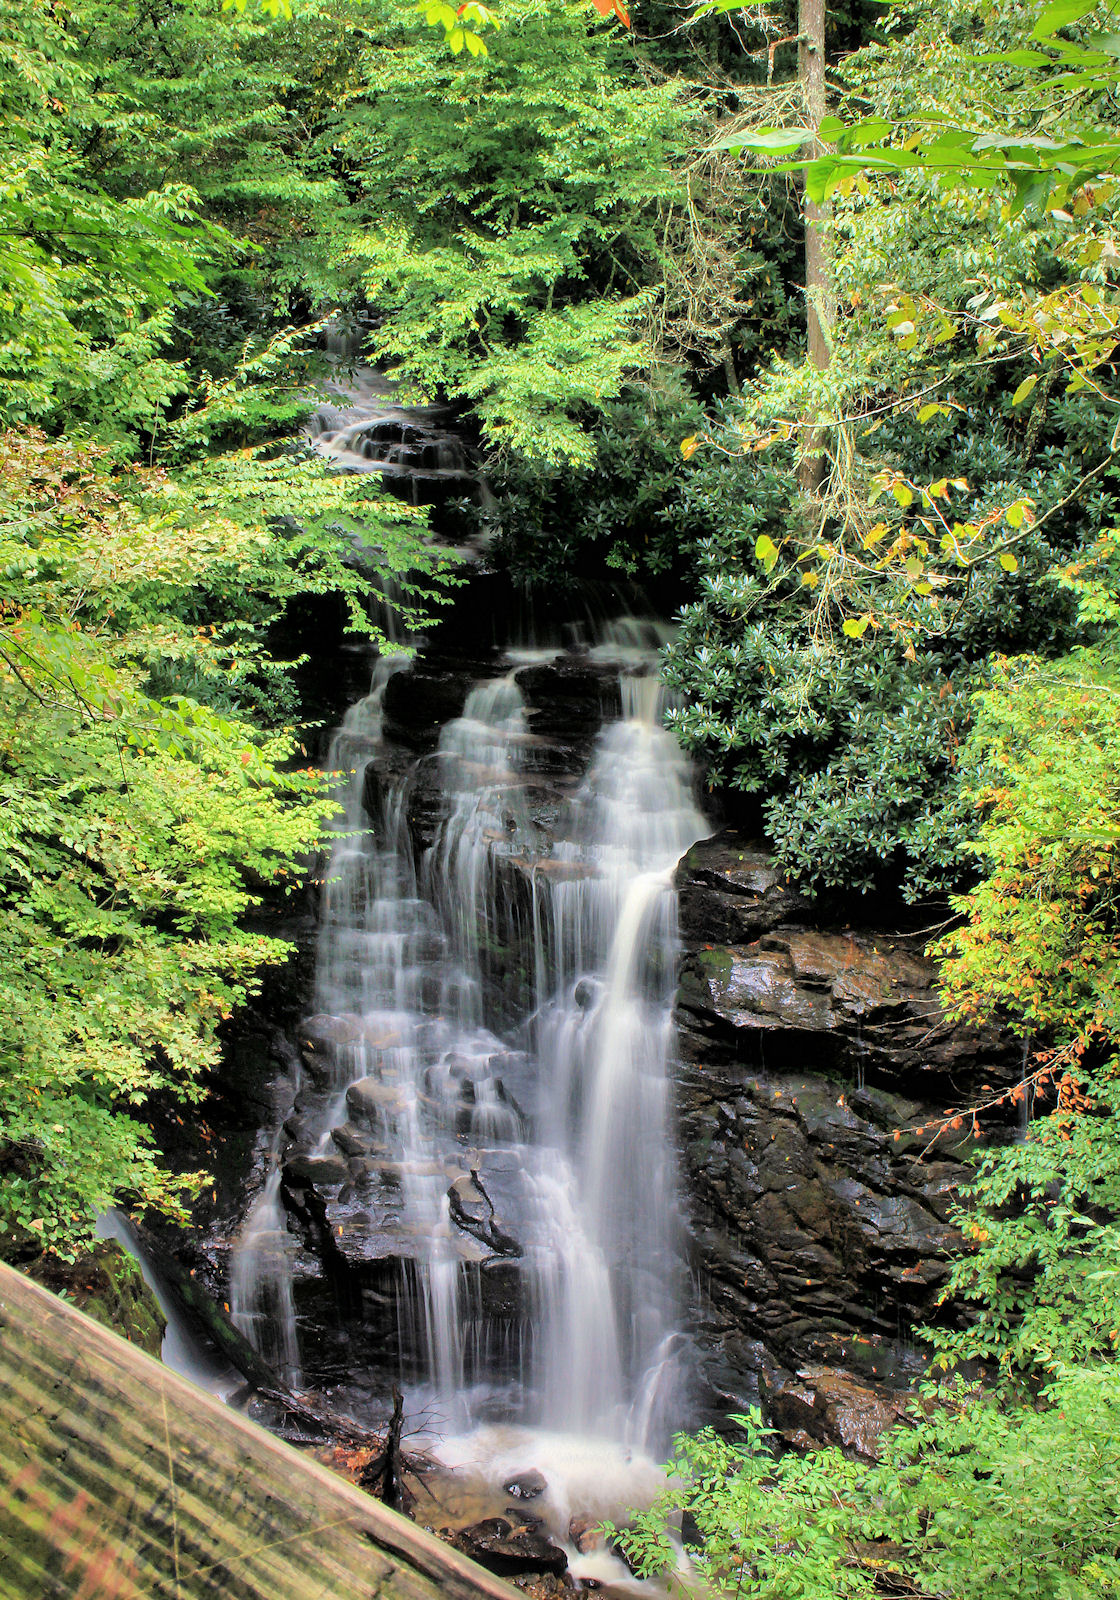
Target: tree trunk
[
  {"x": 819, "y": 303},
  {"x": 121, "y": 1481}
]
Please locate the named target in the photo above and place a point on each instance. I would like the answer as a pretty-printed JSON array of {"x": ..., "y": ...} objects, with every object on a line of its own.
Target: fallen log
[{"x": 119, "y": 1480}]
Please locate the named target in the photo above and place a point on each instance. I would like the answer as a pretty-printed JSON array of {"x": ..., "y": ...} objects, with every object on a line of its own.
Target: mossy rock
[{"x": 107, "y": 1285}]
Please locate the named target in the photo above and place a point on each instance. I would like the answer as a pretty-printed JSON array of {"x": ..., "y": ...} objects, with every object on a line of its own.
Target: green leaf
[
  {"x": 767, "y": 141},
  {"x": 1059, "y": 15},
  {"x": 1014, "y": 58}
]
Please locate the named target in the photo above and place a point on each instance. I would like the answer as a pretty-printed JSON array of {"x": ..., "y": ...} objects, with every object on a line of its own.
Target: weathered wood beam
[{"x": 119, "y": 1480}]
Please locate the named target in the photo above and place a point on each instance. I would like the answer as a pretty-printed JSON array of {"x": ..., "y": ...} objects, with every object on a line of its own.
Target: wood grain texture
[{"x": 120, "y": 1480}]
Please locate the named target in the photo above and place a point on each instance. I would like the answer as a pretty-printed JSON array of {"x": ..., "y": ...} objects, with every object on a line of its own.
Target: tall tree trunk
[{"x": 819, "y": 303}]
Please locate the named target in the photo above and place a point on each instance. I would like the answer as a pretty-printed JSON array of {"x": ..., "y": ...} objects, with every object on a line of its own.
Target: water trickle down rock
[
  {"x": 415, "y": 449},
  {"x": 608, "y": 1277}
]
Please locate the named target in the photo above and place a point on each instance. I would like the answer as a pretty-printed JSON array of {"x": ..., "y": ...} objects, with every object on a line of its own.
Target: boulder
[
  {"x": 510, "y": 1552},
  {"x": 816, "y": 1071},
  {"x": 820, "y": 1406},
  {"x": 586, "y": 1534},
  {"x": 526, "y": 1485},
  {"x": 416, "y": 704},
  {"x": 369, "y": 1098},
  {"x": 323, "y": 1171}
]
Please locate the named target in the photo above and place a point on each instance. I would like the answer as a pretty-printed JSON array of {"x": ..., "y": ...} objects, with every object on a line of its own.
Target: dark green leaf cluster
[{"x": 625, "y": 513}]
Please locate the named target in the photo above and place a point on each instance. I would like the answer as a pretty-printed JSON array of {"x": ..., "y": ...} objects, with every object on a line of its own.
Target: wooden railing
[{"x": 120, "y": 1480}]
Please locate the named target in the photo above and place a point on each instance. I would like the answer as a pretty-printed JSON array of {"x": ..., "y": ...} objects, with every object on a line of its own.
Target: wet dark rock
[
  {"x": 468, "y": 1202},
  {"x": 816, "y": 1071},
  {"x": 369, "y": 1099},
  {"x": 819, "y": 1406},
  {"x": 322, "y": 1040},
  {"x": 320, "y": 1170},
  {"x": 418, "y": 703},
  {"x": 300, "y": 1128},
  {"x": 526, "y": 1486},
  {"x": 107, "y": 1284},
  {"x": 495, "y": 1544},
  {"x": 541, "y": 1585},
  {"x": 731, "y": 890},
  {"x": 788, "y": 992},
  {"x": 523, "y": 1518},
  {"x": 586, "y": 993},
  {"x": 351, "y": 1141},
  {"x": 324, "y": 1033},
  {"x": 472, "y": 1210},
  {"x": 565, "y": 701}
]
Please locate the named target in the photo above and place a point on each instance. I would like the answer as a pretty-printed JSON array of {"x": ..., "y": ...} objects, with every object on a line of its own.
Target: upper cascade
[{"x": 361, "y": 427}]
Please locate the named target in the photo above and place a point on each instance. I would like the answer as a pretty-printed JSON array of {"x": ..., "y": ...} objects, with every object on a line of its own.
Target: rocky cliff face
[{"x": 814, "y": 1060}]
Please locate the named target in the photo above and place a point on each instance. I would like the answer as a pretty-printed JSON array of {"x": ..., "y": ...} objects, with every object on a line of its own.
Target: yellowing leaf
[
  {"x": 1024, "y": 389},
  {"x": 766, "y": 551},
  {"x": 1008, "y": 562},
  {"x": 856, "y": 627},
  {"x": 689, "y": 446},
  {"x": 903, "y": 494}
]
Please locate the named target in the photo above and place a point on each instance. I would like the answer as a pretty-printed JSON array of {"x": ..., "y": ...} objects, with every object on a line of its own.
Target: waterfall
[
  {"x": 487, "y": 1152},
  {"x": 360, "y": 427},
  {"x": 262, "y": 1303},
  {"x": 609, "y": 1264},
  {"x": 260, "y": 1297}
]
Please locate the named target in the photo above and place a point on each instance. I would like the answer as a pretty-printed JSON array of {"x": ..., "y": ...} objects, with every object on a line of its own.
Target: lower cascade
[{"x": 483, "y": 1125}]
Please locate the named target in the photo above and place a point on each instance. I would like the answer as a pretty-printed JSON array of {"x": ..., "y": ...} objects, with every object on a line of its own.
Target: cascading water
[
  {"x": 361, "y": 427},
  {"x": 609, "y": 1270},
  {"x": 520, "y": 1172}
]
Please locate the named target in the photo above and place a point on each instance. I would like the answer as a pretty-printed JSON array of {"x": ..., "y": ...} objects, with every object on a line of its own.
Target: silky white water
[
  {"x": 540, "y": 1146},
  {"x": 608, "y": 1264}
]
